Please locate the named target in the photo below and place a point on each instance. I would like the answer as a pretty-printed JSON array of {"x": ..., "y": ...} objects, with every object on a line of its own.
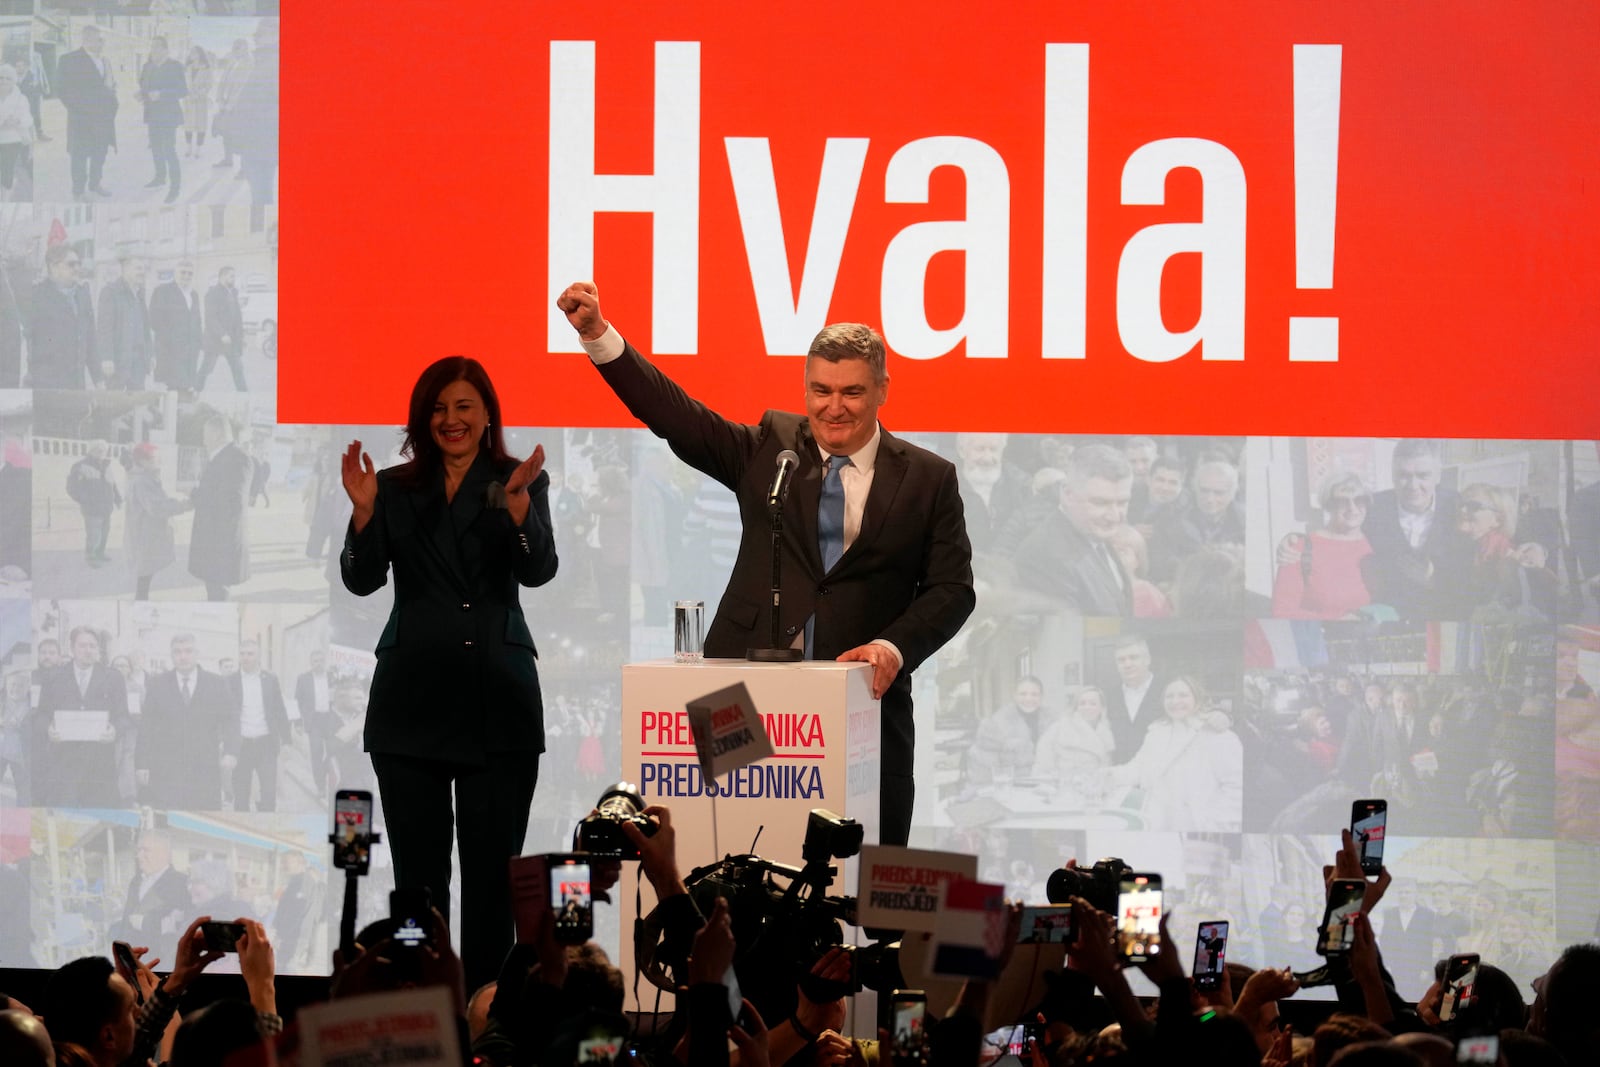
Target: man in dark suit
[
  {"x": 123, "y": 327},
  {"x": 1212, "y": 518},
  {"x": 224, "y": 331},
  {"x": 179, "y": 756},
  {"x": 1420, "y": 558},
  {"x": 1133, "y": 701},
  {"x": 313, "y": 701},
  {"x": 72, "y": 769},
  {"x": 85, "y": 86},
  {"x": 1408, "y": 929},
  {"x": 162, "y": 87},
  {"x": 991, "y": 492},
  {"x": 219, "y": 554},
  {"x": 258, "y": 729},
  {"x": 157, "y": 904},
  {"x": 1069, "y": 555},
  {"x": 61, "y": 335},
  {"x": 175, "y": 324},
  {"x": 876, "y": 562}
]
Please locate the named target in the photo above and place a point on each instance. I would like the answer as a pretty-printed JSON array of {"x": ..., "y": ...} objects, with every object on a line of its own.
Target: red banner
[{"x": 1251, "y": 217}]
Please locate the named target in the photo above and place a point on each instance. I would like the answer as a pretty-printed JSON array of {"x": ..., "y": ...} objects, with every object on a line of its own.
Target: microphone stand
[{"x": 774, "y": 653}]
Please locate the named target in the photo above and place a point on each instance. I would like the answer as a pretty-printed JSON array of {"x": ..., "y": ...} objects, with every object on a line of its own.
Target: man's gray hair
[
  {"x": 1096, "y": 461},
  {"x": 852, "y": 340},
  {"x": 1414, "y": 447}
]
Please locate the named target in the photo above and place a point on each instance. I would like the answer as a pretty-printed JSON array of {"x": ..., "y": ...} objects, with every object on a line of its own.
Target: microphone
[{"x": 787, "y": 462}]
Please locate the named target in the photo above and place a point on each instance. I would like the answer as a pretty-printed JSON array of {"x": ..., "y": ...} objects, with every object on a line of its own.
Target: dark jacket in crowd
[
  {"x": 90, "y": 99},
  {"x": 61, "y": 338},
  {"x": 89, "y": 485},
  {"x": 175, "y": 322},
  {"x": 164, "y": 87},
  {"x": 123, "y": 328},
  {"x": 218, "y": 548},
  {"x": 224, "y": 319}
]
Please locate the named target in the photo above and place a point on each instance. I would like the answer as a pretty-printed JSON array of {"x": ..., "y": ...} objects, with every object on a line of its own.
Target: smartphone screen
[
  {"x": 411, "y": 910},
  {"x": 1484, "y": 1049},
  {"x": 1459, "y": 988},
  {"x": 1210, "y": 954},
  {"x": 352, "y": 829},
  {"x": 1369, "y": 821},
  {"x": 570, "y": 897},
  {"x": 1139, "y": 917},
  {"x": 1046, "y": 924},
  {"x": 908, "y": 1016},
  {"x": 1344, "y": 903}
]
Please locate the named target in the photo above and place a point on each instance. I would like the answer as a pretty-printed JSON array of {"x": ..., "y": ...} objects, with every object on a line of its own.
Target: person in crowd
[
  {"x": 296, "y": 902},
  {"x": 235, "y": 73},
  {"x": 1408, "y": 929},
  {"x": 199, "y": 75},
  {"x": 1007, "y": 740},
  {"x": 88, "y": 89},
  {"x": 61, "y": 330},
  {"x": 16, "y": 509},
  {"x": 260, "y": 474},
  {"x": 122, "y": 327},
  {"x": 258, "y": 731},
  {"x": 16, "y": 707},
  {"x": 345, "y": 764},
  {"x": 463, "y": 524},
  {"x": 24, "y": 1041},
  {"x": 93, "y": 487},
  {"x": 1141, "y": 453},
  {"x": 158, "y": 896},
  {"x": 82, "y": 708},
  {"x": 313, "y": 701},
  {"x": 219, "y": 546},
  {"x": 1563, "y": 1012},
  {"x": 175, "y": 330},
  {"x": 1166, "y": 495},
  {"x": 1189, "y": 773},
  {"x": 992, "y": 492},
  {"x": 1419, "y": 554},
  {"x": 1213, "y": 519},
  {"x": 253, "y": 122},
  {"x": 16, "y": 129},
  {"x": 1069, "y": 557},
  {"x": 34, "y": 83},
  {"x": 162, "y": 89},
  {"x": 147, "y": 527},
  {"x": 1314, "y": 741},
  {"x": 1135, "y": 699},
  {"x": 1149, "y": 602},
  {"x": 886, "y": 593},
  {"x": 1210, "y": 583},
  {"x": 224, "y": 330},
  {"x": 1320, "y": 573},
  {"x": 1078, "y": 741},
  {"x": 179, "y": 755}
]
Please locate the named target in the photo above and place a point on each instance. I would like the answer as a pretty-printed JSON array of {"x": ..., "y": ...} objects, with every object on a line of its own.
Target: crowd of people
[{"x": 555, "y": 1003}]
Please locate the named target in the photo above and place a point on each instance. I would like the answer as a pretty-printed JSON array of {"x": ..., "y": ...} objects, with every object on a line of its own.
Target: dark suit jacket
[
  {"x": 1129, "y": 732},
  {"x": 80, "y": 774},
  {"x": 175, "y": 323},
  {"x": 305, "y": 695},
  {"x": 91, "y": 102},
  {"x": 123, "y": 333},
  {"x": 218, "y": 548},
  {"x": 907, "y": 577},
  {"x": 457, "y": 674},
  {"x": 272, "y": 702},
  {"x": 164, "y": 86},
  {"x": 61, "y": 339},
  {"x": 1059, "y": 561},
  {"x": 141, "y": 916},
  {"x": 180, "y": 744},
  {"x": 224, "y": 318},
  {"x": 1397, "y": 574}
]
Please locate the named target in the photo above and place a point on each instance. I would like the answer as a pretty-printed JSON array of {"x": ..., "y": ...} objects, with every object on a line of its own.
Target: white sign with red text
[
  {"x": 900, "y": 888},
  {"x": 728, "y": 734}
]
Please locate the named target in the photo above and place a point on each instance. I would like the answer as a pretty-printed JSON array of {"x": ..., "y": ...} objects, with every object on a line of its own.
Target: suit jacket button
[
  {"x": 468, "y": 644},
  {"x": 466, "y": 607},
  {"x": 824, "y": 590},
  {"x": 791, "y": 631}
]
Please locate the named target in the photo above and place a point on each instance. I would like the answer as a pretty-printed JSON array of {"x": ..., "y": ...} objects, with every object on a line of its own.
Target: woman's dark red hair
[{"x": 425, "y": 457}]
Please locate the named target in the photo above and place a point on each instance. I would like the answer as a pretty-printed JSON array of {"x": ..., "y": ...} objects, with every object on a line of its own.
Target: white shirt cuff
[
  {"x": 899, "y": 660},
  {"x": 605, "y": 348}
]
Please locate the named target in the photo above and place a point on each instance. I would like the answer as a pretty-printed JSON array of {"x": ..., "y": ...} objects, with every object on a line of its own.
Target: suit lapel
[
  {"x": 805, "y": 495},
  {"x": 888, "y": 471}
]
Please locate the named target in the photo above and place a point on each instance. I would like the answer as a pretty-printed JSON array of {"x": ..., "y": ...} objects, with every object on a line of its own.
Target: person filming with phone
[{"x": 455, "y": 702}]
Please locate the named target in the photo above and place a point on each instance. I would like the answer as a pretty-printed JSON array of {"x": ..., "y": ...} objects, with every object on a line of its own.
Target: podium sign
[{"x": 823, "y": 725}]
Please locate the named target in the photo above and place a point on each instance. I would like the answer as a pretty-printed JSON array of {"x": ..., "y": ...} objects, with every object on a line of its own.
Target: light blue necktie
[{"x": 830, "y": 528}]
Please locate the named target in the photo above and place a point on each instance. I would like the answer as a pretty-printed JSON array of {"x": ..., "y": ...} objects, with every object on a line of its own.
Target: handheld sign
[
  {"x": 900, "y": 888},
  {"x": 970, "y": 936},
  {"x": 728, "y": 734}
]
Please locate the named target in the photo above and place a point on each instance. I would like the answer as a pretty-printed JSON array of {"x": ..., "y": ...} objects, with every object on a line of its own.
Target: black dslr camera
[
  {"x": 601, "y": 830},
  {"x": 1098, "y": 885}
]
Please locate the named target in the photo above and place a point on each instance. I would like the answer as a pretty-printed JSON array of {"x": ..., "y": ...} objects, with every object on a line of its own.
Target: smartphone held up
[
  {"x": 1369, "y": 826},
  {"x": 1139, "y": 918}
]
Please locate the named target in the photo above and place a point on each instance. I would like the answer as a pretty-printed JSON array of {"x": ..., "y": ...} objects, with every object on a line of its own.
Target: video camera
[{"x": 1098, "y": 885}]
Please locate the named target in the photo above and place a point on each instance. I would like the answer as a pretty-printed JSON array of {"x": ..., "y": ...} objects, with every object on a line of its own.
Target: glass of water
[{"x": 688, "y": 630}]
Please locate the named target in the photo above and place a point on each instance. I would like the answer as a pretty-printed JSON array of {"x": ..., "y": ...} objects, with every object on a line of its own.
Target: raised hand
[
  {"x": 517, "y": 485},
  {"x": 360, "y": 481},
  {"x": 580, "y": 303}
]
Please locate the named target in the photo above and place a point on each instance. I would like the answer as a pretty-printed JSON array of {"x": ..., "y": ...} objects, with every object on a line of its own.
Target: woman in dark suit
[{"x": 455, "y": 697}]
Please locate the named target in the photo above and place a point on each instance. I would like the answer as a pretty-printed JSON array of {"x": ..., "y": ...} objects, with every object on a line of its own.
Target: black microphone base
[{"x": 774, "y": 655}]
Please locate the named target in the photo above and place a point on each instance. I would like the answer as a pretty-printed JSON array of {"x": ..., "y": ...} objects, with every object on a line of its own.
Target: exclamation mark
[{"x": 1316, "y": 197}]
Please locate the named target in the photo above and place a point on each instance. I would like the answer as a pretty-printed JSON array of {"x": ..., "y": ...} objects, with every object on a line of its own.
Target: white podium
[{"x": 823, "y": 724}]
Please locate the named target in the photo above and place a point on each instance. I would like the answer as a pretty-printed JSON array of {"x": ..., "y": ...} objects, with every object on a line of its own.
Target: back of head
[
  {"x": 78, "y": 1001},
  {"x": 1339, "y": 1031},
  {"x": 1497, "y": 1004},
  {"x": 592, "y": 981},
  {"x": 24, "y": 1042},
  {"x": 1569, "y": 995},
  {"x": 1432, "y": 1049},
  {"x": 213, "y": 1035},
  {"x": 1376, "y": 1054},
  {"x": 1228, "y": 1041},
  {"x": 1518, "y": 1048}
]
